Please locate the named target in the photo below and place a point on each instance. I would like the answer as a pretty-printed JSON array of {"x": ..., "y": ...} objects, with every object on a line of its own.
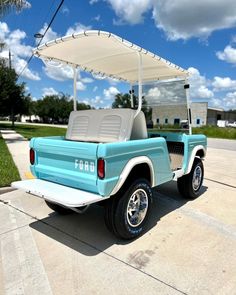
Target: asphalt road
[
  {"x": 224, "y": 144},
  {"x": 188, "y": 248}
]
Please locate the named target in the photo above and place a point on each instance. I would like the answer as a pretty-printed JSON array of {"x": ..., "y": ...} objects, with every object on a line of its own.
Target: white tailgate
[{"x": 56, "y": 193}]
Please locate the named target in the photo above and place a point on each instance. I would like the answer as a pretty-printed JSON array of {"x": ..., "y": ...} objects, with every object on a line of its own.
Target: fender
[
  {"x": 193, "y": 155},
  {"x": 127, "y": 169}
]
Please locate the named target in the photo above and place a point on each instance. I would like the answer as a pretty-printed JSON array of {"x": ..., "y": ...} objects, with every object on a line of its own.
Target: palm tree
[{"x": 7, "y": 5}]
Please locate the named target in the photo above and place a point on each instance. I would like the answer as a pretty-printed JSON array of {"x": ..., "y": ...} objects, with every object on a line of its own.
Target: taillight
[
  {"x": 32, "y": 156},
  {"x": 101, "y": 168}
]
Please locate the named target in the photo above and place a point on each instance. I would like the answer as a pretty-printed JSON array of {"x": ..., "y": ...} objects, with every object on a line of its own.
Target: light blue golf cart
[{"x": 107, "y": 155}]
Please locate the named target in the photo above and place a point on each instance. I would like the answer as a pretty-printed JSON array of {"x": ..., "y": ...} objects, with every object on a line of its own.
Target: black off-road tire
[
  {"x": 118, "y": 216},
  {"x": 185, "y": 184},
  {"x": 109, "y": 215},
  {"x": 57, "y": 208}
]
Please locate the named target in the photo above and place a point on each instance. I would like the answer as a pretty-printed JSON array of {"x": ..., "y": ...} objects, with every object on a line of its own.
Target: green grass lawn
[
  {"x": 29, "y": 131},
  {"x": 216, "y": 132},
  {"x": 209, "y": 131},
  {"x": 8, "y": 170}
]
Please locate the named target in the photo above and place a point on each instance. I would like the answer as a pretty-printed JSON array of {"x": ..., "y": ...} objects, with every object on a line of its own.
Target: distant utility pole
[{"x": 10, "y": 55}]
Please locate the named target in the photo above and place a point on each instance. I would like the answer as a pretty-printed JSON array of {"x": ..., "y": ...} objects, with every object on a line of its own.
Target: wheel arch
[
  {"x": 199, "y": 151},
  {"x": 139, "y": 166}
]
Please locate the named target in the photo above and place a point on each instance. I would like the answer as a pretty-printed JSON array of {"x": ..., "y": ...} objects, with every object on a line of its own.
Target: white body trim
[
  {"x": 127, "y": 169},
  {"x": 178, "y": 174},
  {"x": 57, "y": 193},
  {"x": 193, "y": 155}
]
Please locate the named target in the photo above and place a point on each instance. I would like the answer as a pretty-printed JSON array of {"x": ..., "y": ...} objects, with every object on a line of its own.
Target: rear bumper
[{"x": 56, "y": 193}]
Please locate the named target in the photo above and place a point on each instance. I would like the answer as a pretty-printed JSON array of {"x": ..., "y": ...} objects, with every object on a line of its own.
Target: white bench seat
[{"x": 108, "y": 125}]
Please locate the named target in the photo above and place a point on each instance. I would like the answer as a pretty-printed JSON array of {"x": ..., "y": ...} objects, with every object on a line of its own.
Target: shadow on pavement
[{"x": 87, "y": 233}]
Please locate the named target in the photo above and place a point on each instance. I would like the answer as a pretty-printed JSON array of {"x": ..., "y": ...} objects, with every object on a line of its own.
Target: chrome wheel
[
  {"x": 197, "y": 178},
  {"x": 137, "y": 207}
]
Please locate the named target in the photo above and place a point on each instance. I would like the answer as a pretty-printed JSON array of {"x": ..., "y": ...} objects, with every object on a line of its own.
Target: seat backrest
[
  {"x": 100, "y": 125},
  {"x": 139, "y": 130}
]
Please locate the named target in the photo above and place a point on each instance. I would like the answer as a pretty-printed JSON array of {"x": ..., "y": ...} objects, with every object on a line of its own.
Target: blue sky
[{"x": 199, "y": 36}]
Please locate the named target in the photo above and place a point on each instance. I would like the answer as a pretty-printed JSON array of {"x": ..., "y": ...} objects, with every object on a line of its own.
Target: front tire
[
  {"x": 129, "y": 213},
  {"x": 190, "y": 184}
]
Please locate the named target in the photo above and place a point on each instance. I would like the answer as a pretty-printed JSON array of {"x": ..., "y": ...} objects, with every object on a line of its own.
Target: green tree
[
  {"x": 124, "y": 101},
  {"x": 56, "y": 108},
  {"x": 8, "y": 5},
  {"x": 13, "y": 99}
]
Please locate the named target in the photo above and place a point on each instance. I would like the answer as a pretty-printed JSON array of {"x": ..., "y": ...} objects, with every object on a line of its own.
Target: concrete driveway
[{"x": 188, "y": 249}]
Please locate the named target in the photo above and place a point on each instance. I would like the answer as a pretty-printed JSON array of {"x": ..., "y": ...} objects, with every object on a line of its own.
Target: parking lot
[{"x": 188, "y": 248}]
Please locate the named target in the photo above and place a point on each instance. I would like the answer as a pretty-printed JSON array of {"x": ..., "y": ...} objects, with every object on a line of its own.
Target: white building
[{"x": 174, "y": 114}]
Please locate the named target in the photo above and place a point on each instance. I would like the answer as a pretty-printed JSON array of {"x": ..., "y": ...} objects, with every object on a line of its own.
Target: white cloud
[
  {"x": 225, "y": 83},
  {"x": 153, "y": 92},
  {"x": 130, "y": 11},
  {"x": 49, "y": 91},
  {"x": 91, "y": 2},
  {"x": 182, "y": 19},
  {"x": 87, "y": 80},
  {"x": 19, "y": 64},
  {"x": 80, "y": 86},
  {"x": 228, "y": 55},
  {"x": 204, "y": 92},
  {"x": 63, "y": 73},
  {"x": 230, "y": 100},
  {"x": 3, "y": 30},
  {"x": 65, "y": 10},
  {"x": 179, "y": 19},
  {"x": 96, "y": 102},
  {"x": 110, "y": 92},
  {"x": 97, "y": 18},
  {"x": 77, "y": 28},
  {"x": 227, "y": 102},
  {"x": 50, "y": 35},
  {"x": 60, "y": 73},
  {"x": 199, "y": 85},
  {"x": 95, "y": 88},
  {"x": 14, "y": 41}
]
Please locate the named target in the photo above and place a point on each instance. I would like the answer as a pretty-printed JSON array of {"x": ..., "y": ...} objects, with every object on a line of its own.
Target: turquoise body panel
[
  {"x": 74, "y": 164},
  {"x": 65, "y": 162},
  {"x": 118, "y": 154},
  {"x": 190, "y": 142}
]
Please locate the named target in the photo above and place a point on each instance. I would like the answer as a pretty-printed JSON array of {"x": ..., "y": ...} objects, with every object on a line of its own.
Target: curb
[{"x": 6, "y": 189}]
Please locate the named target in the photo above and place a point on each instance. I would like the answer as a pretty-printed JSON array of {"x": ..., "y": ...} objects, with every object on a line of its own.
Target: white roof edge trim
[{"x": 133, "y": 47}]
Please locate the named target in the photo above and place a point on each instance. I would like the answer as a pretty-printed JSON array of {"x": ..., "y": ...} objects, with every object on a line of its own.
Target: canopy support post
[
  {"x": 75, "y": 80},
  {"x": 131, "y": 92},
  {"x": 140, "y": 83},
  {"x": 186, "y": 87}
]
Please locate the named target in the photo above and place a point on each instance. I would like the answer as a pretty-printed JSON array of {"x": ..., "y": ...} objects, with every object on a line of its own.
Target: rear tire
[
  {"x": 190, "y": 184},
  {"x": 59, "y": 209},
  {"x": 126, "y": 215},
  {"x": 109, "y": 215}
]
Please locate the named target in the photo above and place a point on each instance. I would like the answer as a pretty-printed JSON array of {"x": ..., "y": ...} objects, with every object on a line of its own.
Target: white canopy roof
[{"x": 108, "y": 55}]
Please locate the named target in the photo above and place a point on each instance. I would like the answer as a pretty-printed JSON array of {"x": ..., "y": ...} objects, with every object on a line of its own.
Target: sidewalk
[{"x": 19, "y": 149}]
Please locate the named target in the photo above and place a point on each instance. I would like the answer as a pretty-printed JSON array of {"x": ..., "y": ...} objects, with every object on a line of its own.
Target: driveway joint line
[
  {"x": 219, "y": 182},
  {"x": 13, "y": 229}
]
